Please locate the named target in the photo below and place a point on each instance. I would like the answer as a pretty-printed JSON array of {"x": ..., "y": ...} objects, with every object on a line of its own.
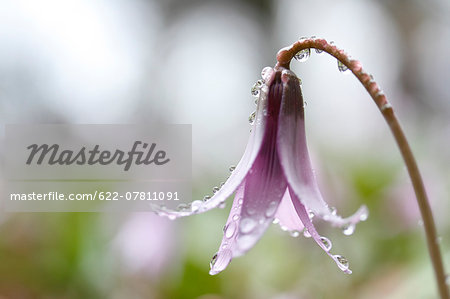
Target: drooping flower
[{"x": 274, "y": 179}]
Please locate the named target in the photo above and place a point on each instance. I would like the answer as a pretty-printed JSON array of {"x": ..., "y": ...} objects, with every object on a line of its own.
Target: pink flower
[{"x": 274, "y": 179}]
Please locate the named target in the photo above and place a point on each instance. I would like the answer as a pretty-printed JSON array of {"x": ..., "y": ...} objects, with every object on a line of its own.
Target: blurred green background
[{"x": 194, "y": 62}]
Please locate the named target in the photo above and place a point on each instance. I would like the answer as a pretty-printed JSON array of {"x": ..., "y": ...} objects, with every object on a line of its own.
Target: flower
[{"x": 274, "y": 178}]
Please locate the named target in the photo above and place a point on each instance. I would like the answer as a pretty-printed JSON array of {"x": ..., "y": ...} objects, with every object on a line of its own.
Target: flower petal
[
  {"x": 238, "y": 175},
  {"x": 287, "y": 216},
  {"x": 294, "y": 156},
  {"x": 304, "y": 216},
  {"x": 255, "y": 206}
]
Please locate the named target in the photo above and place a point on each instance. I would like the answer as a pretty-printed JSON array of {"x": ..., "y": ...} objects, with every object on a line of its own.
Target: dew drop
[
  {"x": 251, "y": 118},
  {"x": 172, "y": 217},
  {"x": 342, "y": 67},
  {"x": 348, "y": 229},
  {"x": 206, "y": 198},
  {"x": 303, "y": 55},
  {"x": 230, "y": 229},
  {"x": 295, "y": 233},
  {"x": 327, "y": 243},
  {"x": 213, "y": 261},
  {"x": 332, "y": 210},
  {"x": 222, "y": 205},
  {"x": 254, "y": 91},
  {"x": 318, "y": 51},
  {"x": 266, "y": 72},
  {"x": 342, "y": 262},
  {"x": 236, "y": 217},
  {"x": 364, "y": 214},
  {"x": 311, "y": 215},
  {"x": 195, "y": 205},
  {"x": 283, "y": 228},
  {"x": 276, "y": 221},
  {"x": 306, "y": 233},
  {"x": 232, "y": 168},
  {"x": 240, "y": 201},
  {"x": 271, "y": 209},
  {"x": 183, "y": 207},
  {"x": 247, "y": 225},
  {"x": 216, "y": 189}
]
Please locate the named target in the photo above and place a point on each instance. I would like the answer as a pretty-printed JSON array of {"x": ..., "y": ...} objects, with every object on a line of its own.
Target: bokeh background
[{"x": 178, "y": 61}]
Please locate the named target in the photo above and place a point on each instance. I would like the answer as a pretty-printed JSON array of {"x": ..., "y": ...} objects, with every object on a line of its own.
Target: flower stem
[{"x": 284, "y": 57}]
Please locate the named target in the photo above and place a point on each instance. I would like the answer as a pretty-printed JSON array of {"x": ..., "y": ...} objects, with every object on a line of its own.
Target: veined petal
[
  {"x": 241, "y": 170},
  {"x": 325, "y": 244},
  {"x": 263, "y": 188},
  {"x": 294, "y": 156},
  {"x": 292, "y": 149},
  {"x": 287, "y": 216}
]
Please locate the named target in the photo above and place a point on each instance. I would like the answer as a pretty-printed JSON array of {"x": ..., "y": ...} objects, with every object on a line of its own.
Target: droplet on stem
[
  {"x": 342, "y": 67},
  {"x": 303, "y": 55}
]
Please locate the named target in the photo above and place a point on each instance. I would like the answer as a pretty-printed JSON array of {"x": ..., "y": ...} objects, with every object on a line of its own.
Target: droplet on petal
[
  {"x": 342, "y": 67},
  {"x": 364, "y": 214},
  {"x": 348, "y": 229},
  {"x": 215, "y": 189},
  {"x": 303, "y": 55},
  {"x": 342, "y": 262},
  {"x": 220, "y": 261},
  {"x": 230, "y": 229},
  {"x": 213, "y": 261},
  {"x": 232, "y": 168},
  {"x": 251, "y": 118},
  {"x": 271, "y": 209},
  {"x": 295, "y": 233},
  {"x": 195, "y": 205},
  {"x": 222, "y": 205},
  {"x": 247, "y": 225},
  {"x": 327, "y": 243},
  {"x": 306, "y": 233},
  {"x": 266, "y": 73},
  {"x": 206, "y": 197},
  {"x": 236, "y": 217}
]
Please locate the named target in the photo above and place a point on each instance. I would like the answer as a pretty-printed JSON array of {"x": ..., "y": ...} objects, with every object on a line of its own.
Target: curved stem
[{"x": 284, "y": 57}]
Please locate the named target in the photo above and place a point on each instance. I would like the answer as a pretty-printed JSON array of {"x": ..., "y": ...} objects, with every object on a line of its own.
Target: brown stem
[{"x": 285, "y": 56}]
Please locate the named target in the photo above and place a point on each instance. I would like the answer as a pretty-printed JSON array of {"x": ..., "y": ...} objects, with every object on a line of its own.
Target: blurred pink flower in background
[{"x": 146, "y": 243}]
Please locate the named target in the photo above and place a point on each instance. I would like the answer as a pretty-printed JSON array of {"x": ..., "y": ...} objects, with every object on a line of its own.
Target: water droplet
[
  {"x": 332, "y": 210},
  {"x": 283, "y": 228},
  {"x": 230, "y": 229},
  {"x": 318, "y": 51},
  {"x": 303, "y": 55},
  {"x": 195, "y": 205},
  {"x": 247, "y": 225},
  {"x": 222, "y": 205},
  {"x": 171, "y": 217},
  {"x": 295, "y": 233},
  {"x": 232, "y": 168},
  {"x": 364, "y": 214},
  {"x": 306, "y": 233},
  {"x": 342, "y": 262},
  {"x": 266, "y": 73},
  {"x": 348, "y": 229},
  {"x": 236, "y": 217},
  {"x": 254, "y": 91},
  {"x": 300, "y": 82},
  {"x": 240, "y": 201},
  {"x": 327, "y": 243},
  {"x": 302, "y": 38},
  {"x": 341, "y": 67},
  {"x": 251, "y": 210},
  {"x": 251, "y": 118},
  {"x": 183, "y": 207},
  {"x": 276, "y": 221},
  {"x": 271, "y": 209},
  {"x": 311, "y": 215},
  {"x": 206, "y": 198},
  {"x": 213, "y": 261},
  {"x": 215, "y": 189}
]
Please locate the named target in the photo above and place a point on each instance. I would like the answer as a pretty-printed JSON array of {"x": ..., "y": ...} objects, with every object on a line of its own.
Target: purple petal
[
  {"x": 287, "y": 216},
  {"x": 257, "y": 199},
  {"x": 294, "y": 157},
  {"x": 238, "y": 175},
  {"x": 304, "y": 216}
]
